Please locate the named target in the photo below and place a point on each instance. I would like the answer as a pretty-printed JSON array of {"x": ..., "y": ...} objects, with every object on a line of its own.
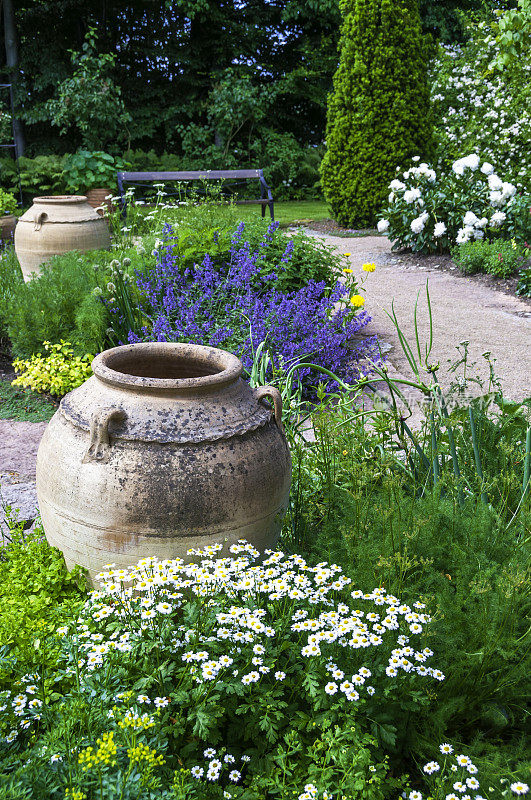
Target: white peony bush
[{"x": 430, "y": 213}]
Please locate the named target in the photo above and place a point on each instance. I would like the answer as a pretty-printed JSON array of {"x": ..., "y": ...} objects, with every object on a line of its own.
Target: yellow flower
[
  {"x": 369, "y": 267},
  {"x": 357, "y": 301},
  {"x": 347, "y": 271},
  {"x": 347, "y": 254}
]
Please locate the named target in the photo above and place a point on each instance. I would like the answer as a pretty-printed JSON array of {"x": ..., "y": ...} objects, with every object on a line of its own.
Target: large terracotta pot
[
  {"x": 8, "y": 224},
  {"x": 97, "y": 198},
  {"x": 164, "y": 448},
  {"x": 55, "y": 225}
]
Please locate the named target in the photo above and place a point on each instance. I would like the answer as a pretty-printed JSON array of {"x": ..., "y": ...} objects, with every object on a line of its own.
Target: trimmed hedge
[{"x": 378, "y": 112}]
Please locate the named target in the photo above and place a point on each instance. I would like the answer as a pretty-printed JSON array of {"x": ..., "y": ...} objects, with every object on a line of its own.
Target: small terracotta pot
[
  {"x": 55, "y": 225},
  {"x": 164, "y": 448},
  {"x": 97, "y": 198},
  {"x": 8, "y": 224}
]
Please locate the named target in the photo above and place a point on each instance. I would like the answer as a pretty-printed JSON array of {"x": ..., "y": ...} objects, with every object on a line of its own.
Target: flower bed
[{"x": 237, "y": 305}]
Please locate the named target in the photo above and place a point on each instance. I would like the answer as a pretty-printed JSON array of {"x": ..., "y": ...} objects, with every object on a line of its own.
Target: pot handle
[
  {"x": 38, "y": 218},
  {"x": 276, "y": 397},
  {"x": 100, "y": 446}
]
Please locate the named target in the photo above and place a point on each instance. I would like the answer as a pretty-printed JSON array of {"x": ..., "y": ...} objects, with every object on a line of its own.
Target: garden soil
[{"x": 463, "y": 309}]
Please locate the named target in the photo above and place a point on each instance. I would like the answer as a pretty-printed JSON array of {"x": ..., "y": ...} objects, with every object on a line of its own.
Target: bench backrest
[{"x": 191, "y": 175}]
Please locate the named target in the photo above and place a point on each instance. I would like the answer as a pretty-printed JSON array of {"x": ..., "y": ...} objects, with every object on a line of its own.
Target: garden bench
[{"x": 235, "y": 176}]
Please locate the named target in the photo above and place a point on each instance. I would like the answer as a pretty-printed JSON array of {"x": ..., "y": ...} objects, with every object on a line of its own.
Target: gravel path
[{"x": 463, "y": 310}]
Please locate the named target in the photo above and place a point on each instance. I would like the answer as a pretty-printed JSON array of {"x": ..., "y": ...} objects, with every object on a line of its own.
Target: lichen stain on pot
[{"x": 164, "y": 448}]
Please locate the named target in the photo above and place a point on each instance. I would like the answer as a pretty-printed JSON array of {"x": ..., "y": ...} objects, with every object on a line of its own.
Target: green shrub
[
  {"x": 499, "y": 258},
  {"x": 378, "y": 112},
  {"x": 524, "y": 283},
  {"x": 470, "y": 257},
  {"x": 61, "y": 303},
  {"x": 10, "y": 276},
  {"x": 38, "y": 176},
  {"x": 45, "y": 308},
  {"x": 56, "y": 373},
  {"x": 88, "y": 169},
  {"x": 8, "y": 204},
  {"x": 504, "y": 259},
  {"x": 352, "y": 503},
  {"x": 36, "y": 592}
]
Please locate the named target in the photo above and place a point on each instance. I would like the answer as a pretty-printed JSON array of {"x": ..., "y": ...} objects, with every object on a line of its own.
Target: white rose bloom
[
  {"x": 478, "y": 234},
  {"x": 439, "y": 229},
  {"x": 487, "y": 169},
  {"x": 419, "y": 223},
  {"x": 496, "y": 199},
  {"x": 391, "y": 198},
  {"x": 416, "y": 158},
  {"x": 508, "y": 190},
  {"x": 397, "y": 186},
  {"x": 383, "y": 225},
  {"x": 411, "y": 195},
  {"x": 471, "y": 161},
  {"x": 495, "y": 183},
  {"x": 458, "y": 166},
  {"x": 464, "y": 234},
  {"x": 497, "y": 219},
  {"x": 481, "y": 222},
  {"x": 470, "y": 219}
]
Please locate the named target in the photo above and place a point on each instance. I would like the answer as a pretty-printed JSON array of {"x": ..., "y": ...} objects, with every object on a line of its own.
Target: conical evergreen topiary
[{"x": 378, "y": 111}]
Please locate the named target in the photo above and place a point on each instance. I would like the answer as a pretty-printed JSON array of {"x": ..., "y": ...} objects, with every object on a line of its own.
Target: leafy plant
[
  {"x": 41, "y": 175},
  {"x": 88, "y": 169},
  {"x": 36, "y": 591},
  {"x": 10, "y": 276},
  {"x": 8, "y": 204},
  {"x": 46, "y": 309},
  {"x": 56, "y": 373},
  {"x": 524, "y": 283},
  {"x": 22, "y": 404},
  {"x": 427, "y": 212},
  {"x": 378, "y": 112},
  {"x": 90, "y": 100},
  {"x": 499, "y": 258}
]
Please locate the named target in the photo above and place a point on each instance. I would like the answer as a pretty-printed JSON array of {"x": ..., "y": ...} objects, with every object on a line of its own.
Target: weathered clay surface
[
  {"x": 163, "y": 449},
  {"x": 55, "y": 225}
]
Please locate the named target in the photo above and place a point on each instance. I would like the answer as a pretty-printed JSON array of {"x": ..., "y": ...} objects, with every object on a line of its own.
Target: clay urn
[
  {"x": 164, "y": 448},
  {"x": 55, "y": 225}
]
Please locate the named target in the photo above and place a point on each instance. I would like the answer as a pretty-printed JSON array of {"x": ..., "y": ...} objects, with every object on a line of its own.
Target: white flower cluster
[
  {"x": 423, "y": 200},
  {"x": 478, "y": 109},
  {"x": 216, "y": 765},
  {"x": 459, "y": 766},
  {"x": 244, "y": 639},
  {"x": 25, "y": 706}
]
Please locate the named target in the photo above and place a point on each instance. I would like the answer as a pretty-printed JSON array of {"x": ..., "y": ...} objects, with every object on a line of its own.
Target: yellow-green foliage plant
[
  {"x": 378, "y": 111},
  {"x": 56, "y": 373}
]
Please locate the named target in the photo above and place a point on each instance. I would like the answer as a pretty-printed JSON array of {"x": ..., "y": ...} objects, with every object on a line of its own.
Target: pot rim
[
  {"x": 61, "y": 199},
  {"x": 227, "y": 367}
]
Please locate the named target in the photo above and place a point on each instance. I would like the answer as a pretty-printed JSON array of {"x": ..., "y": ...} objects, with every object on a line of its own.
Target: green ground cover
[{"x": 23, "y": 404}]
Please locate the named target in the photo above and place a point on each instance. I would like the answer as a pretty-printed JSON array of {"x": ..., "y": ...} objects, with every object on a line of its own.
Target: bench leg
[{"x": 271, "y": 210}]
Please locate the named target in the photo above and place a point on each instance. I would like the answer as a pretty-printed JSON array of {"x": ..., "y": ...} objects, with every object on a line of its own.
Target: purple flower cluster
[{"x": 235, "y": 308}]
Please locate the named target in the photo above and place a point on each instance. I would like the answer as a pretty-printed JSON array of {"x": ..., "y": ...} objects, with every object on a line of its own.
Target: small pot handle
[
  {"x": 38, "y": 218},
  {"x": 100, "y": 446},
  {"x": 276, "y": 397}
]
